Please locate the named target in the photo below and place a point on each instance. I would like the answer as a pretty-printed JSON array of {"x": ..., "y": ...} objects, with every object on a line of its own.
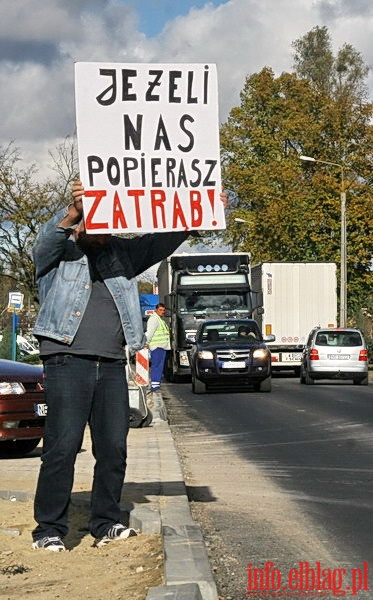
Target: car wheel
[
  {"x": 265, "y": 385},
  {"x": 363, "y": 381},
  {"x": 297, "y": 371},
  {"x": 302, "y": 378},
  {"x": 307, "y": 379},
  {"x": 198, "y": 387},
  {"x": 136, "y": 417},
  {"x": 18, "y": 447}
]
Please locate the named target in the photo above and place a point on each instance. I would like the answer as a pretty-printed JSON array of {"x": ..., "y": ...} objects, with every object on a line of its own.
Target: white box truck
[{"x": 289, "y": 299}]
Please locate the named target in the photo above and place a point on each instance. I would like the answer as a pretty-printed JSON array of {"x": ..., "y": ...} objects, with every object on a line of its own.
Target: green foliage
[
  {"x": 32, "y": 359},
  {"x": 144, "y": 287},
  {"x": 6, "y": 344},
  {"x": 25, "y": 204},
  {"x": 292, "y": 209},
  {"x": 362, "y": 318},
  {"x": 313, "y": 58},
  {"x": 342, "y": 75}
]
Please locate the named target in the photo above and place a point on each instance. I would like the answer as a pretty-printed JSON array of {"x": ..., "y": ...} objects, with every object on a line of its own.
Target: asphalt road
[{"x": 284, "y": 477}]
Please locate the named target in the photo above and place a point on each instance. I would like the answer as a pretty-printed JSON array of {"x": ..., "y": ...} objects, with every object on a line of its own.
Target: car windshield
[
  {"x": 230, "y": 332},
  {"x": 338, "y": 338}
]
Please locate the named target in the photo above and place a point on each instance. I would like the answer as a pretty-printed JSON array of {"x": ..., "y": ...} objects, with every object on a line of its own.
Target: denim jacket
[{"x": 64, "y": 282}]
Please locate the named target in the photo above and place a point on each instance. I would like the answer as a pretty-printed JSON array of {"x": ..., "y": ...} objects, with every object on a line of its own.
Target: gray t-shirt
[{"x": 100, "y": 332}]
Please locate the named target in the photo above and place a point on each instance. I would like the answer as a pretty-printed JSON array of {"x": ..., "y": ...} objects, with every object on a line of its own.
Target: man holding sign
[{"x": 89, "y": 311}]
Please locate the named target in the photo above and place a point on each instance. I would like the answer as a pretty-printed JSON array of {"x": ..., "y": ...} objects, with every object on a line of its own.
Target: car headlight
[
  {"x": 260, "y": 353},
  {"x": 10, "y": 424},
  {"x": 11, "y": 387},
  {"x": 206, "y": 354}
]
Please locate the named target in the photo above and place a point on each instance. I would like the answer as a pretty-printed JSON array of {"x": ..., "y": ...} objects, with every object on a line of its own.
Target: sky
[{"x": 41, "y": 39}]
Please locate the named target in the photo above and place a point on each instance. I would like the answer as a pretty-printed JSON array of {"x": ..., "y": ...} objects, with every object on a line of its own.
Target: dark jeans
[{"x": 81, "y": 390}]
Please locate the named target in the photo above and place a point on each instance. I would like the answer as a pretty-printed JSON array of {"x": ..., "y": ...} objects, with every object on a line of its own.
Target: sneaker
[
  {"x": 54, "y": 544},
  {"x": 115, "y": 533}
]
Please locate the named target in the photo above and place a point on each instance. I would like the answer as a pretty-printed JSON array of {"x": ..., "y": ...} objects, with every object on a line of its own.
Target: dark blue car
[{"x": 230, "y": 353}]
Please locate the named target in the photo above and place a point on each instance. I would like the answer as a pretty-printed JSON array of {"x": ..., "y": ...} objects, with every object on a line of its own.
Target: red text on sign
[{"x": 166, "y": 208}]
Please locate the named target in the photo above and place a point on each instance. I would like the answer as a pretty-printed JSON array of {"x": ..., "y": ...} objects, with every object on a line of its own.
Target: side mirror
[{"x": 269, "y": 338}]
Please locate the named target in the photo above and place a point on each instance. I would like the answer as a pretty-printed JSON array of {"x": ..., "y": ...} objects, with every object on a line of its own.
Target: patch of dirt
[{"x": 121, "y": 570}]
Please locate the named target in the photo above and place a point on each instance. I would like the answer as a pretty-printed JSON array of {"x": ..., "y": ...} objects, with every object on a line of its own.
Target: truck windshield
[{"x": 193, "y": 302}]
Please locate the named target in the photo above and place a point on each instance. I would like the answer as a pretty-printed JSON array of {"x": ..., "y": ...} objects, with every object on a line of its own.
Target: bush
[
  {"x": 6, "y": 344},
  {"x": 32, "y": 359}
]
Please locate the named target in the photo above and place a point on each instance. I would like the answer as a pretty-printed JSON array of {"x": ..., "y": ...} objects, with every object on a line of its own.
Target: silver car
[{"x": 339, "y": 353}]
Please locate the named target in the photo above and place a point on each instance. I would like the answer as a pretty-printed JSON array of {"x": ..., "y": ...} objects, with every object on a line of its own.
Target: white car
[{"x": 339, "y": 353}]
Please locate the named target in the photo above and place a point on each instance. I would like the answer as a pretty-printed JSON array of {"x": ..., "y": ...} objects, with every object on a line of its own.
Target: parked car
[
  {"x": 22, "y": 408},
  {"x": 338, "y": 353},
  {"x": 230, "y": 352}
]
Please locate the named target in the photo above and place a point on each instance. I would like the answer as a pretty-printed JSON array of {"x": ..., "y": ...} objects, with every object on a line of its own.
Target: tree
[
  {"x": 65, "y": 169},
  {"x": 313, "y": 59},
  {"x": 21, "y": 210},
  {"x": 292, "y": 209},
  {"x": 25, "y": 204},
  {"x": 144, "y": 287},
  {"x": 340, "y": 76}
]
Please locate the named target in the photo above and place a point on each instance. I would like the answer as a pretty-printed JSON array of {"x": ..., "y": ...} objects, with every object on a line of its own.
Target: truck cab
[{"x": 196, "y": 287}]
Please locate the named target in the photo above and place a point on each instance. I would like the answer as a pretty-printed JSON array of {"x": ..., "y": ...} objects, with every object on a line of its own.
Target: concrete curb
[
  {"x": 187, "y": 570},
  {"x": 188, "y": 591}
]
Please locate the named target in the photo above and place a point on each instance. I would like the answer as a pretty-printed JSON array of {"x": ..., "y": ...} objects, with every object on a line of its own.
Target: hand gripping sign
[{"x": 148, "y": 138}]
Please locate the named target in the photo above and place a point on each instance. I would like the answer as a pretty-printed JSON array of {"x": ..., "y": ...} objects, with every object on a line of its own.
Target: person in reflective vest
[{"x": 158, "y": 342}]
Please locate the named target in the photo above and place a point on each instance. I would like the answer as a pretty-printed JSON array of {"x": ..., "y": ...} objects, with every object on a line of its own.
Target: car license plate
[
  {"x": 234, "y": 365},
  {"x": 338, "y": 356},
  {"x": 290, "y": 356},
  {"x": 40, "y": 410}
]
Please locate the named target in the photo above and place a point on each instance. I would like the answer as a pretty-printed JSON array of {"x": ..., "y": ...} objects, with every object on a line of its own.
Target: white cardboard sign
[{"x": 148, "y": 138}]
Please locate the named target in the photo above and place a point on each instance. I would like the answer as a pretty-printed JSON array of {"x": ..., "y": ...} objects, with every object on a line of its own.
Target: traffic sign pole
[{"x": 14, "y": 334}]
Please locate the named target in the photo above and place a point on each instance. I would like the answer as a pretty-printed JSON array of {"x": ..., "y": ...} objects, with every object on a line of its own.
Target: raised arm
[{"x": 51, "y": 241}]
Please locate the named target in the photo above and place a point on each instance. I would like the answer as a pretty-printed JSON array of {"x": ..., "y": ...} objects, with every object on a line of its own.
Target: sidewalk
[{"x": 155, "y": 498}]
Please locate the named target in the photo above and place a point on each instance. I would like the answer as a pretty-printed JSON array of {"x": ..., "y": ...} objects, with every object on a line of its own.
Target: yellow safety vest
[{"x": 161, "y": 336}]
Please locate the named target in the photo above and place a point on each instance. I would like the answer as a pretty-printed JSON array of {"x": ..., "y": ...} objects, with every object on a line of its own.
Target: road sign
[{"x": 15, "y": 303}]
